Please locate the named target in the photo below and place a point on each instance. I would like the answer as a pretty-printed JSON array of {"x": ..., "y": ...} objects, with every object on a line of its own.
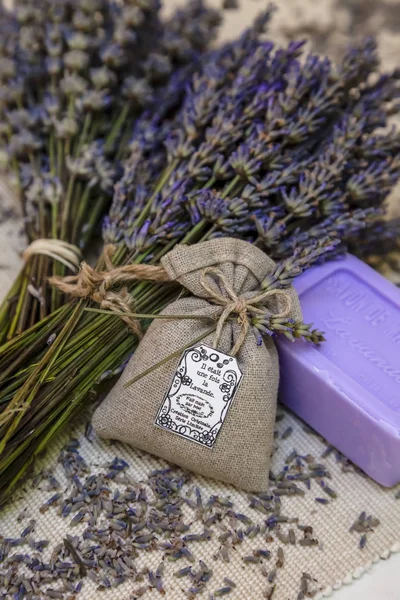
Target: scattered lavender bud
[{"x": 288, "y": 432}]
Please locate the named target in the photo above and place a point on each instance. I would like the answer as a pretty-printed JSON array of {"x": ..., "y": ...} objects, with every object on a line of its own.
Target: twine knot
[
  {"x": 241, "y": 310},
  {"x": 244, "y": 307},
  {"x": 95, "y": 285}
]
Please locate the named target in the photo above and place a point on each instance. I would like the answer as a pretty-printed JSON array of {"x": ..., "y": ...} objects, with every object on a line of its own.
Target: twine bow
[
  {"x": 243, "y": 307},
  {"x": 96, "y": 286}
]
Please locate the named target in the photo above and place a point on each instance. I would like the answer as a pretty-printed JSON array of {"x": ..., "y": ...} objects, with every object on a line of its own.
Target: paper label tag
[{"x": 202, "y": 390}]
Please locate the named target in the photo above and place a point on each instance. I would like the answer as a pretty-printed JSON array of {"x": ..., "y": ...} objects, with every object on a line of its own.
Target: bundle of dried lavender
[
  {"x": 283, "y": 153},
  {"x": 74, "y": 76}
]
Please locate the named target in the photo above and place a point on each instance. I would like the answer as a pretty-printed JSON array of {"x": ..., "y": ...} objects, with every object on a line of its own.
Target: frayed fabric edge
[{"x": 358, "y": 572}]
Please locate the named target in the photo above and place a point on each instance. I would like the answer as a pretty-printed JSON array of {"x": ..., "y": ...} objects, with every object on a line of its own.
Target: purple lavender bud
[
  {"x": 137, "y": 91},
  {"x": 53, "y": 66},
  {"x": 24, "y": 143},
  {"x": 132, "y": 16},
  {"x": 113, "y": 56},
  {"x": 76, "y": 60},
  {"x": 270, "y": 229},
  {"x": 94, "y": 101},
  {"x": 124, "y": 36},
  {"x": 207, "y": 205},
  {"x": 73, "y": 85},
  {"x": 157, "y": 67},
  {"x": 243, "y": 164},
  {"x": 66, "y": 128},
  {"x": 102, "y": 78}
]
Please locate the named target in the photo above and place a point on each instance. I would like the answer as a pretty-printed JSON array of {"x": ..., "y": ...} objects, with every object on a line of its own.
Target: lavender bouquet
[
  {"x": 74, "y": 77},
  {"x": 281, "y": 150}
]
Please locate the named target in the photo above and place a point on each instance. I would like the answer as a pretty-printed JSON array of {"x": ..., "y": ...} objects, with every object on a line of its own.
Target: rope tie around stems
[
  {"x": 96, "y": 285},
  {"x": 67, "y": 254}
]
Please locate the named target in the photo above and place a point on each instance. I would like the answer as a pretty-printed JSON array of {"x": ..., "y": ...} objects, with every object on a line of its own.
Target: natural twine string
[
  {"x": 243, "y": 307},
  {"x": 67, "y": 254},
  {"x": 96, "y": 286}
]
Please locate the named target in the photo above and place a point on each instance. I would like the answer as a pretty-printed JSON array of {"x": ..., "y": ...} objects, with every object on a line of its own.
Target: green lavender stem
[
  {"x": 116, "y": 128},
  {"x": 67, "y": 208}
]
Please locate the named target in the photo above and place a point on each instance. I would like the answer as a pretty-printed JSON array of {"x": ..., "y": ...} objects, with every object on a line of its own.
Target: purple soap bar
[{"x": 348, "y": 389}]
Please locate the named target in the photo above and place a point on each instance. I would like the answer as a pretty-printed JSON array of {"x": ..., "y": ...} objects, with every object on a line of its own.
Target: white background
[{"x": 381, "y": 583}]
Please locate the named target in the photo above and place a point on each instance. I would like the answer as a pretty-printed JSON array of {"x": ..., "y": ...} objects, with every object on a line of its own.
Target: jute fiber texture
[{"x": 241, "y": 453}]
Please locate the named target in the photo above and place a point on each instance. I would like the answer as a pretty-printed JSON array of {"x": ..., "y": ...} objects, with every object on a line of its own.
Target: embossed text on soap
[{"x": 362, "y": 329}]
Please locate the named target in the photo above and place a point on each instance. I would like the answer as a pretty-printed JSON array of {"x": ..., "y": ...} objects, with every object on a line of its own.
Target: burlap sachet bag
[{"x": 241, "y": 451}]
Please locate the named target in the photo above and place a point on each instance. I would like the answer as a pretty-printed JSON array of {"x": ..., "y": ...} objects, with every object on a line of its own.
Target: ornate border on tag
[{"x": 228, "y": 388}]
